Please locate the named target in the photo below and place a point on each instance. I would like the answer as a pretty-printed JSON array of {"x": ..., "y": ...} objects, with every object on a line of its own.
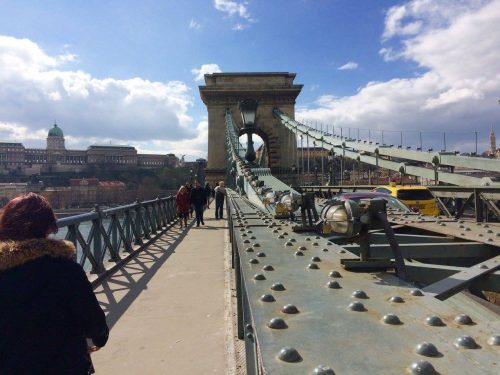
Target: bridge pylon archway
[{"x": 223, "y": 91}]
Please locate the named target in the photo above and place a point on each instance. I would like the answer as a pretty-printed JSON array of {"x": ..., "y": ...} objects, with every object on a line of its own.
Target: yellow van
[{"x": 418, "y": 198}]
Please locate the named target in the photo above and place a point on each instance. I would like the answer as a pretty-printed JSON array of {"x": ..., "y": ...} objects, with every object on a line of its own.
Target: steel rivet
[
  {"x": 252, "y": 237},
  {"x": 249, "y": 231},
  {"x": 281, "y": 236},
  {"x": 277, "y": 323},
  {"x": 422, "y": 368},
  {"x": 333, "y": 284},
  {"x": 249, "y": 250},
  {"x": 290, "y": 309},
  {"x": 427, "y": 349},
  {"x": 268, "y": 267},
  {"x": 486, "y": 226},
  {"x": 483, "y": 266},
  {"x": 246, "y": 241},
  {"x": 467, "y": 229},
  {"x": 461, "y": 226},
  {"x": 244, "y": 235},
  {"x": 359, "y": 294},
  {"x": 325, "y": 249},
  {"x": 267, "y": 298},
  {"x": 396, "y": 299},
  {"x": 489, "y": 231},
  {"x": 498, "y": 234},
  {"x": 335, "y": 274},
  {"x": 357, "y": 306},
  {"x": 302, "y": 248},
  {"x": 434, "y": 321},
  {"x": 288, "y": 243},
  {"x": 249, "y": 336},
  {"x": 277, "y": 287},
  {"x": 261, "y": 254},
  {"x": 466, "y": 342},
  {"x": 341, "y": 251},
  {"x": 494, "y": 340},
  {"x": 253, "y": 261},
  {"x": 275, "y": 231},
  {"x": 480, "y": 235},
  {"x": 490, "y": 240},
  {"x": 256, "y": 245},
  {"x": 392, "y": 319},
  {"x": 463, "y": 319},
  {"x": 293, "y": 240},
  {"x": 460, "y": 221},
  {"x": 289, "y": 355},
  {"x": 242, "y": 229},
  {"x": 285, "y": 233},
  {"x": 329, "y": 243},
  {"x": 299, "y": 253},
  {"x": 259, "y": 276},
  {"x": 479, "y": 224},
  {"x": 315, "y": 259},
  {"x": 312, "y": 266},
  {"x": 323, "y": 370},
  {"x": 416, "y": 292},
  {"x": 308, "y": 239},
  {"x": 315, "y": 244}
]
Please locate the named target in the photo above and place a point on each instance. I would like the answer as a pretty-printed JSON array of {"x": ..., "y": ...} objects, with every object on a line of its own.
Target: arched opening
[{"x": 260, "y": 145}]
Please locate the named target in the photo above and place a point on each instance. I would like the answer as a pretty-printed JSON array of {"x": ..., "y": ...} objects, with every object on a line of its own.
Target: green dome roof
[{"x": 56, "y": 132}]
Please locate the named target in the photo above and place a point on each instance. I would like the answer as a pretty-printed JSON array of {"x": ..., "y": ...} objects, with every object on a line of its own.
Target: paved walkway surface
[{"x": 166, "y": 307}]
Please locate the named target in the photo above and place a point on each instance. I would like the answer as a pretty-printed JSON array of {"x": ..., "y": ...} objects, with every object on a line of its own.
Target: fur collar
[{"x": 16, "y": 253}]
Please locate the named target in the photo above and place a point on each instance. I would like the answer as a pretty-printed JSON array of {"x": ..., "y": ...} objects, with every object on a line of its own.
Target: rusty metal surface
[{"x": 326, "y": 332}]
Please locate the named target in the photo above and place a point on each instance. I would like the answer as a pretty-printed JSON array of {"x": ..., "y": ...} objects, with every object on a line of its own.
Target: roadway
[{"x": 167, "y": 308}]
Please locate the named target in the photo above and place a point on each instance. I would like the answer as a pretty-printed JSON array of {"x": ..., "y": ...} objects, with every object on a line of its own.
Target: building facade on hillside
[{"x": 19, "y": 160}]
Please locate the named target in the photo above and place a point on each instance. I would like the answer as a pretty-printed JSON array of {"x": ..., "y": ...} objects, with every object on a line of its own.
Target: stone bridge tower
[{"x": 225, "y": 91}]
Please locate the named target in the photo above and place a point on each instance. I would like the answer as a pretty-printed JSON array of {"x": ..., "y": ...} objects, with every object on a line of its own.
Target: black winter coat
[
  {"x": 47, "y": 310},
  {"x": 198, "y": 196}
]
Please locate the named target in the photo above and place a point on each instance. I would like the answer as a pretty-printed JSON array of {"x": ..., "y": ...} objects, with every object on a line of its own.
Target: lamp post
[
  {"x": 294, "y": 170},
  {"x": 248, "y": 109},
  {"x": 316, "y": 174},
  {"x": 191, "y": 175},
  {"x": 331, "y": 158}
]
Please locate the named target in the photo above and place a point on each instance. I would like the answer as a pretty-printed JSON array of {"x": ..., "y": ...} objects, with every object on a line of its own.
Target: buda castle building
[{"x": 15, "y": 159}]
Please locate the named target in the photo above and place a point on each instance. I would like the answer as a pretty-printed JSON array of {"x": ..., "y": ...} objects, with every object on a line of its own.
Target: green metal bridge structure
[{"x": 323, "y": 287}]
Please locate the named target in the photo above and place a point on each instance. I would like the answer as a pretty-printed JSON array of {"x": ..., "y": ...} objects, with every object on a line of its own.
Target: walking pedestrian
[
  {"x": 220, "y": 196},
  {"x": 208, "y": 193},
  {"x": 48, "y": 309},
  {"x": 189, "y": 188},
  {"x": 198, "y": 200},
  {"x": 183, "y": 202}
]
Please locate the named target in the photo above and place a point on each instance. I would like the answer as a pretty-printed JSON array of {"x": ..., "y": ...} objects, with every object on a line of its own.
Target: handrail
[{"x": 117, "y": 232}]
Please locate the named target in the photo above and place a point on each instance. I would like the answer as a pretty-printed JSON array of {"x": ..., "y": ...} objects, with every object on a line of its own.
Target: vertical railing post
[
  {"x": 114, "y": 232},
  {"x": 138, "y": 218},
  {"x": 97, "y": 240}
]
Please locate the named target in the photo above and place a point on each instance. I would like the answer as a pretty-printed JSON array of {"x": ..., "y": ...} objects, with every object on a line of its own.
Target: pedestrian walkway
[{"x": 166, "y": 307}]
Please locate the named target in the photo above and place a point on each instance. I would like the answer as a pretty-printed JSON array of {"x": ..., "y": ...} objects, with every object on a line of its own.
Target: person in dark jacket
[
  {"x": 48, "y": 309},
  {"x": 198, "y": 200},
  {"x": 220, "y": 197},
  {"x": 208, "y": 193}
]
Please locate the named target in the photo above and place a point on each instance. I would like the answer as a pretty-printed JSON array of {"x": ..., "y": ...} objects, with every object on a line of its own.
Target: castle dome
[{"x": 56, "y": 132}]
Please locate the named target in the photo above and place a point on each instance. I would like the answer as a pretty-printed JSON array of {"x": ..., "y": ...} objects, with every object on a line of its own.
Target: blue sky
[{"x": 126, "y": 71}]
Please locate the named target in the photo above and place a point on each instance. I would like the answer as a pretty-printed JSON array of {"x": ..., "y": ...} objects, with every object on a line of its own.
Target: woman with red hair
[{"x": 48, "y": 309}]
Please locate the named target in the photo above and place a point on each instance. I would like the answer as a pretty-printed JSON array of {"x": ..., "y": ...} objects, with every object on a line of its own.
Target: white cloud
[
  {"x": 235, "y": 9},
  {"x": 199, "y": 73},
  {"x": 240, "y": 26},
  {"x": 193, "y": 24},
  {"x": 456, "y": 45},
  {"x": 35, "y": 88},
  {"x": 232, "y": 8},
  {"x": 351, "y": 65}
]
